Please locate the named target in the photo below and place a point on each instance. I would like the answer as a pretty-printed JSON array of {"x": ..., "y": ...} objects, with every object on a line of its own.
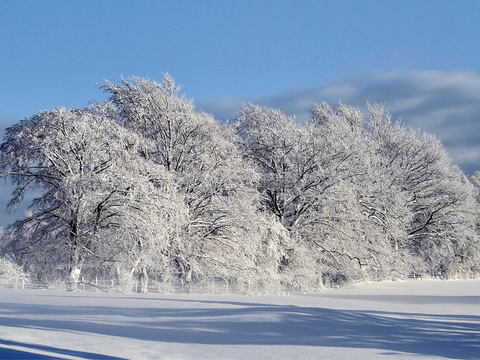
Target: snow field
[{"x": 407, "y": 320}]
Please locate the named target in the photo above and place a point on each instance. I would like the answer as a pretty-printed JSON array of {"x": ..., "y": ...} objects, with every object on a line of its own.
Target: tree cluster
[{"x": 146, "y": 188}]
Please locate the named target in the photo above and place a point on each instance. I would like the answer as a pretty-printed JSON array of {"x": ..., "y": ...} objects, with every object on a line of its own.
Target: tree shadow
[
  {"x": 243, "y": 323},
  {"x": 6, "y": 352},
  {"x": 11, "y": 354}
]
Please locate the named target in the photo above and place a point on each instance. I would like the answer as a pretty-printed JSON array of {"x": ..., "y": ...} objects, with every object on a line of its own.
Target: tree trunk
[
  {"x": 73, "y": 277},
  {"x": 144, "y": 281}
]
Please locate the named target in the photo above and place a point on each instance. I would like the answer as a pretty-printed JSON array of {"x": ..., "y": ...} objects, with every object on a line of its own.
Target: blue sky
[{"x": 420, "y": 58}]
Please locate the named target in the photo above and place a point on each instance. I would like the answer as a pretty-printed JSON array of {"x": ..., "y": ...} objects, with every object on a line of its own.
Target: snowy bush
[{"x": 11, "y": 274}]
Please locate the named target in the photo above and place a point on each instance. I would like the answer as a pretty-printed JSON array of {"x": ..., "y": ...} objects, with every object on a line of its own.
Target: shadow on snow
[
  {"x": 241, "y": 323},
  {"x": 10, "y": 354}
]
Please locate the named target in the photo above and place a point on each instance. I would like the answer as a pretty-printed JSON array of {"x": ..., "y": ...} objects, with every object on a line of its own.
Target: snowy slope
[{"x": 419, "y": 319}]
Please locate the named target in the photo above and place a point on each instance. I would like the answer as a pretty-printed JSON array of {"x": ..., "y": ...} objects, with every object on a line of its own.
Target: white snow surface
[{"x": 423, "y": 319}]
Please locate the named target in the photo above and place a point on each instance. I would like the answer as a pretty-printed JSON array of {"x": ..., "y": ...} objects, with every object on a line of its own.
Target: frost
[{"x": 145, "y": 192}]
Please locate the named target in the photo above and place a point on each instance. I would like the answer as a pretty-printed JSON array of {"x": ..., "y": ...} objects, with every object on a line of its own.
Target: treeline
[{"x": 145, "y": 187}]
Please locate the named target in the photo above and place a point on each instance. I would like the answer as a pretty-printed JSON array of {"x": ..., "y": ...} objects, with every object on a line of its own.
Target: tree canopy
[{"x": 146, "y": 187}]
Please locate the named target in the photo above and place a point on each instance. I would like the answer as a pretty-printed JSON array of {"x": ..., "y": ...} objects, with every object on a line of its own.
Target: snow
[{"x": 424, "y": 319}]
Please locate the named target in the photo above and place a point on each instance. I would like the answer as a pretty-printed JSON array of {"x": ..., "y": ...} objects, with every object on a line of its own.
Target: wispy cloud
[
  {"x": 223, "y": 109},
  {"x": 446, "y": 104}
]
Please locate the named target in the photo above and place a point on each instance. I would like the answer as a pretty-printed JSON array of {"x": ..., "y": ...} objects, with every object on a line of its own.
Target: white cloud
[
  {"x": 446, "y": 104},
  {"x": 223, "y": 109}
]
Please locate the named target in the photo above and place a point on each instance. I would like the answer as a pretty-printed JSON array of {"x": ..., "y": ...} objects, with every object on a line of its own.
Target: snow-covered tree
[
  {"x": 435, "y": 191},
  {"x": 474, "y": 247},
  {"x": 355, "y": 224},
  {"x": 11, "y": 274},
  {"x": 147, "y": 186},
  {"x": 308, "y": 179},
  {"x": 475, "y": 181},
  {"x": 94, "y": 193},
  {"x": 208, "y": 170}
]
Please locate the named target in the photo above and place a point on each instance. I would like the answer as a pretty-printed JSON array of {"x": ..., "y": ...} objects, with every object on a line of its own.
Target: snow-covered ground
[{"x": 407, "y": 320}]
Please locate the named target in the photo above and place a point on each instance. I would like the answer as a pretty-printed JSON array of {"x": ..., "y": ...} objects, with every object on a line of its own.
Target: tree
[
  {"x": 475, "y": 189},
  {"x": 475, "y": 181},
  {"x": 93, "y": 190},
  {"x": 310, "y": 180},
  {"x": 207, "y": 168},
  {"x": 359, "y": 217},
  {"x": 11, "y": 273},
  {"x": 436, "y": 194},
  {"x": 146, "y": 186},
  {"x": 285, "y": 157}
]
